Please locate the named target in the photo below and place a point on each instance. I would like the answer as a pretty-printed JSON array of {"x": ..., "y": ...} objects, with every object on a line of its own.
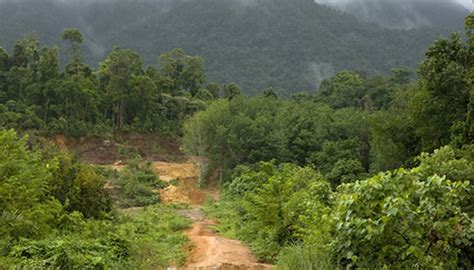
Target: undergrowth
[{"x": 147, "y": 240}]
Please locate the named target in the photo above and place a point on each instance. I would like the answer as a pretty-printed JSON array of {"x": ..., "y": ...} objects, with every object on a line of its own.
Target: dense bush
[
  {"x": 139, "y": 185},
  {"x": 150, "y": 240},
  {"x": 248, "y": 130},
  {"x": 77, "y": 185},
  {"x": 268, "y": 206},
  {"x": 27, "y": 208},
  {"x": 404, "y": 219},
  {"x": 408, "y": 218}
]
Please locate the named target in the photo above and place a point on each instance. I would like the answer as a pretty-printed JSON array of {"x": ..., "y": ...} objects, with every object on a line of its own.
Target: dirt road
[
  {"x": 210, "y": 251},
  {"x": 214, "y": 252}
]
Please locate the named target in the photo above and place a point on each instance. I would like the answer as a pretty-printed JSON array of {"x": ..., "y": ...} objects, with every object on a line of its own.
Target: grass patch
[
  {"x": 305, "y": 258},
  {"x": 224, "y": 211}
]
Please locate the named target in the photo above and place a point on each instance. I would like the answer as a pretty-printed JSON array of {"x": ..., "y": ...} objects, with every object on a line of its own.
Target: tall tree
[
  {"x": 231, "y": 90},
  {"x": 185, "y": 72},
  {"x": 74, "y": 38},
  {"x": 470, "y": 78},
  {"x": 342, "y": 91},
  {"x": 439, "y": 109},
  {"x": 116, "y": 73}
]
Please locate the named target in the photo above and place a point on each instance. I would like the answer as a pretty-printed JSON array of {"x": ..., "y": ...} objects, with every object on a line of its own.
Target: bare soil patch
[
  {"x": 122, "y": 148},
  {"x": 214, "y": 252}
]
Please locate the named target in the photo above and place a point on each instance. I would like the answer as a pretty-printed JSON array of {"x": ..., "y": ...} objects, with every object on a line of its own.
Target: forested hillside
[{"x": 287, "y": 45}]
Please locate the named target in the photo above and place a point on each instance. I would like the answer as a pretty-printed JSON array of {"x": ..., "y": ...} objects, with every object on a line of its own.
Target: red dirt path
[{"x": 210, "y": 251}]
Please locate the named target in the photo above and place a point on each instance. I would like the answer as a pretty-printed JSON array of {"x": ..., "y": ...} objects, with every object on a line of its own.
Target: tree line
[{"x": 37, "y": 93}]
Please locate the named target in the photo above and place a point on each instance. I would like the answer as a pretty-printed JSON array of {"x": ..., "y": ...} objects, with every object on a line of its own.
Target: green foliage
[
  {"x": 185, "y": 72},
  {"x": 27, "y": 208},
  {"x": 409, "y": 218},
  {"x": 72, "y": 35},
  {"x": 139, "y": 185},
  {"x": 304, "y": 257},
  {"x": 47, "y": 203},
  {"x": 455, "y": 164},
  {"x": 403, "y": 219},
  {"x": 394, "y": 142},
  {"x": 268, "y": 206},
  {"x": 231, "y": 90},
  {"x": 120, "y": 95},
  {"x": 148, "y": 240},
  {"x": 77, "y": 185},
  {"x": 342, "y": 91},
  {"x": 439, "y": 110},
  {"x": 249, "y": 130}
]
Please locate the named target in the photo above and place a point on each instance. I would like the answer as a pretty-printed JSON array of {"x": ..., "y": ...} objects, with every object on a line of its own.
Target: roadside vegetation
[
  {"x": 419, "y": 217},
  {"x": 56, "y": 214}
]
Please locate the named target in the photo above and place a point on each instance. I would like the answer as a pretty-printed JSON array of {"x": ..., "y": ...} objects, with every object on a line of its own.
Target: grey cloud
[
  {"x": 404, "y": 14},
  {"x": 468, "y": 4}
]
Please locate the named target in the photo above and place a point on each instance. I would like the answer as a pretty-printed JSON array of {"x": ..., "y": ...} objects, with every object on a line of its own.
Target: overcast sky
[{"x": 467, "y": 3}]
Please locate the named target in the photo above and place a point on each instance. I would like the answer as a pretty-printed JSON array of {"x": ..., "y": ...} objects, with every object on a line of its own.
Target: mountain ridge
[{"x": 291, "y": 46}]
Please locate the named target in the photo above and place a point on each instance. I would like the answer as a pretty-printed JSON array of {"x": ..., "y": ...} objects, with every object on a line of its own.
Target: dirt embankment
[
  {"x": 121, "y": 148},
  {"x": 184, "y": 186}
]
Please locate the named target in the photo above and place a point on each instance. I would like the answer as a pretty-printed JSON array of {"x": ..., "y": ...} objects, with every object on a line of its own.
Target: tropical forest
[{"x": 236, "y": 134}]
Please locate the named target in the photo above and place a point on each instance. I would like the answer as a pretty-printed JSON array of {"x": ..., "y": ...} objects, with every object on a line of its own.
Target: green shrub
[
  {"x": 139, "y": 185},
  {"x": 150, "y": 240},
  {"x": 27, "y": 209},
  {"x": 76, "y": 185},
  {"x": 410, "y": 218},
  {"x": 268, "y": 206},
  {"x": 404, "y": 219}
]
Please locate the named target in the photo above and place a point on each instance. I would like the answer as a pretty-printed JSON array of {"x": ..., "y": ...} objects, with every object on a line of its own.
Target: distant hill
[{"x": 285, "y": 44}]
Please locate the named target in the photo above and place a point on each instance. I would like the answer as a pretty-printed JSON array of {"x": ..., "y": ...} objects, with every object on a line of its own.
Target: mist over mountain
[
  {"x": 406, "y": 14},
  {"x": 290, "y": 45}
]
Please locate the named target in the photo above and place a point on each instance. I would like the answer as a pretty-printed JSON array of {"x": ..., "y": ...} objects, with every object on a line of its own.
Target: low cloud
[
  {"x": 404, "y": 14},
  {"x": 318, "y": 72},
  {"x": 468, "y": 4}
]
